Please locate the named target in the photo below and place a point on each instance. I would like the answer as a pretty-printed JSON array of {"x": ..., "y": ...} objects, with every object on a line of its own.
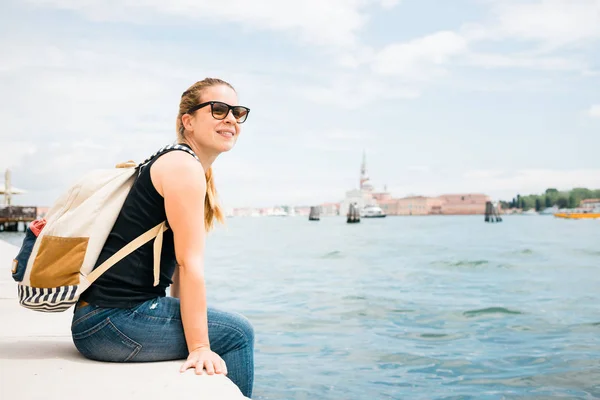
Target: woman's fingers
[
  {"x": 224, "y": 367},
  {"x": 218, "y": 363},
  {"x": 199, "y": 367},
  {"x": 186, "y": 365},
  {"x": 210, "y": 369},
  {"x": 212, "y": 365}
]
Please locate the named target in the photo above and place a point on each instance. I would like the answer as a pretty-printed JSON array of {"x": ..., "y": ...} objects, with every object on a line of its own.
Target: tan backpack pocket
[{"x": 58, "y": 261}]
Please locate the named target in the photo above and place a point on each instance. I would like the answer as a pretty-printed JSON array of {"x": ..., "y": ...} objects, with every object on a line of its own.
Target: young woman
[{"x": 125, "y": 316}]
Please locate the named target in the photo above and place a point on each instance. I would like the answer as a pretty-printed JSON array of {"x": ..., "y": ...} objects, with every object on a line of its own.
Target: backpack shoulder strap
[
  {"x": 155, "y": 232},
  {"x": 167, "y": 149}
]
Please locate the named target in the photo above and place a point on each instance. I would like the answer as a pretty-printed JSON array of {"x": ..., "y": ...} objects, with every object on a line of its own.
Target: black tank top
[{"x": 130, "y": 281}]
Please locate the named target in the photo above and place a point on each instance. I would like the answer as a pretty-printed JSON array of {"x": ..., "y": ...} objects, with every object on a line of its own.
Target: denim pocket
[
  {"x": 82, "y": 314},
  {"x": 20, "y": 262},
  {"x": 104, "y": 342}
]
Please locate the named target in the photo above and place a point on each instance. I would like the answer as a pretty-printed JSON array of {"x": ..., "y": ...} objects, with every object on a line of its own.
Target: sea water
[{"x": 438, "y": 307}]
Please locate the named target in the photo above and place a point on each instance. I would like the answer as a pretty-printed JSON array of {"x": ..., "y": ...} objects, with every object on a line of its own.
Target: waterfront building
[
  {"x": 590, "y": 204},
  {"x": 463, "y": 204}
]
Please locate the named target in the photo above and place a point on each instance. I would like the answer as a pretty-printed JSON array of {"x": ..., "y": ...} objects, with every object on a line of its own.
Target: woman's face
[{"x": 212, "y": 134}]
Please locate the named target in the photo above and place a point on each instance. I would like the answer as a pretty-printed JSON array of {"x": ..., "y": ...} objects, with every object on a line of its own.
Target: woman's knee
[
  {"x": 236, "y": 323},
  {"x": 246, "y": 327}
]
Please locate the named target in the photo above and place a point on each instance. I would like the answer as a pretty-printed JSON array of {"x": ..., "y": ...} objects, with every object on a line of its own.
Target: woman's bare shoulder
[{"x": 176, "y": 169}]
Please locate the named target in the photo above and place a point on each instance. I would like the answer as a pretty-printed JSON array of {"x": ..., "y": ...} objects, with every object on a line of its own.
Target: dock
[{"x": 13, "y": 216}]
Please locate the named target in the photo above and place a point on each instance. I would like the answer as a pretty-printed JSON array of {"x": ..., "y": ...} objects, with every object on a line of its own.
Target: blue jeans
[{"x": 152, "y": 331}]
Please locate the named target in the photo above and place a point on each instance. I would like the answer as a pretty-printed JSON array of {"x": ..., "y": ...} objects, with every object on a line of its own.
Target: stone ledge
[{"x": 39, "y": 361}]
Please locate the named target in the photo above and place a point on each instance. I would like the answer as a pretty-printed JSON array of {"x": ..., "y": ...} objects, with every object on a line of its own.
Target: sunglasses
[{"x": 220, "y": 110}]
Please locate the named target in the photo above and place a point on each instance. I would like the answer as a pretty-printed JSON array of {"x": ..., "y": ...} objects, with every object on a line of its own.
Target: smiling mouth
[{"x": 227, "y": 134}]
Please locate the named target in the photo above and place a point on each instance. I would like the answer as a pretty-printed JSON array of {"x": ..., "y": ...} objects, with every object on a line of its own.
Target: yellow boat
[{"x": 592, "y": 214}]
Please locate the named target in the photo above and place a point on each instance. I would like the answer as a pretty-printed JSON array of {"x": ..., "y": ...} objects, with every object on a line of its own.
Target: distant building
[
  {"x": 382, "y": 196},
  {"x": 357, "y": 197},
  {"x": 244, "y": 212},
  {"x": 463, "y": 204},
  {"x": 330, "y": 209},
  {"x": 590, "y": 204},
  {"x": 413, "y": 205},
  {"x": 388, "y": 206},
  {"x": 450, "y": 204},
  {"x": 419, "y": 205},
  {"x": 303, "y": 211}
]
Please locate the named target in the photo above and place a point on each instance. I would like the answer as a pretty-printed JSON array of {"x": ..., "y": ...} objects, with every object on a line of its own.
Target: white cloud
[
  {"x": 594, "y": 111},
  {"x": 355, "y": 57},
  {"x": 418, "y": 168},
  {"x": 331, "y": 22},
  {"x": 352, "y": 92},
  {"x": 389, "y": 4},
  {"x": 483, "y": 174},
  {"x": 421, "y": 58},
  {"x": 13, "y": 150},
  {"x": 541, "y": 26},
  {"x": 553, "y": 23},
  {"x": 524, "y": 61},
  {"x": 590, "y": 73},
  {"x": 342, "y": 134}
]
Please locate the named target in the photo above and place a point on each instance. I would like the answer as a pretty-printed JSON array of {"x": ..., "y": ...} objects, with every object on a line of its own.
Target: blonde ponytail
[{"x": 212, "y": 208}]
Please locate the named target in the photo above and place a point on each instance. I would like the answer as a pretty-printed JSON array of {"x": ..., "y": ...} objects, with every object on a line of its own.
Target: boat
[
  {"x": 579, "y": 214},
  {"x": 278, "y": 213},
  {"x": 549, "y": 210},
  {"x": 530, "y": 212},
  {"x": 372, "y": 211}
]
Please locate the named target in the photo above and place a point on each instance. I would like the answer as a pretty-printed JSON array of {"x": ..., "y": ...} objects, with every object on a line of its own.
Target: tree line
[{"x": 551, "y": 198}]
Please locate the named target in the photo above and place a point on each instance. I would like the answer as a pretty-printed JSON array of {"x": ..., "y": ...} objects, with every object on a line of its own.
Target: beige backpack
[{"x": 55, "y": 266}]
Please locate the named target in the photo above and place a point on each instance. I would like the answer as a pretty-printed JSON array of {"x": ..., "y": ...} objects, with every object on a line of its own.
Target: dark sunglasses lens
[
  {"x": 220, "y": 110},
  {"x": 240, "y": 114}
]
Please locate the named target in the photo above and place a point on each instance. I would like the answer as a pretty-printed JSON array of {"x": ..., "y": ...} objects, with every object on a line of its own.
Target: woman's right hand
[{"x": 204, "y": 358}]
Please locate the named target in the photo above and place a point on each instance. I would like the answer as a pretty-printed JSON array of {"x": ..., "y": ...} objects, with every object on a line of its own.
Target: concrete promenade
[{"x": 39, "y": 361}]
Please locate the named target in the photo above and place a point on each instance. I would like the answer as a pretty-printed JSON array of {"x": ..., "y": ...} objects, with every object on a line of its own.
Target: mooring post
[{"x": 491, "y": 213}]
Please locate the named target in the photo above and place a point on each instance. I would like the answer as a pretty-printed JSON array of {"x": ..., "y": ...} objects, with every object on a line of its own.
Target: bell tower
[{"x": 364, "y": 176}]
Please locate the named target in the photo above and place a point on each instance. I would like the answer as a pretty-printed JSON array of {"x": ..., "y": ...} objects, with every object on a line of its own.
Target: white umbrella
[
  {"x": 7, "y": 189},
  {"x": 12, "y": 190}
]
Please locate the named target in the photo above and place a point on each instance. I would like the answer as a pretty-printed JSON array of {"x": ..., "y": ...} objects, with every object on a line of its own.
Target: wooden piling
[
  {"x": 315, "y": 214},
  {"x": 491, "y": 213},
  {"x": 353, "y": 215}
]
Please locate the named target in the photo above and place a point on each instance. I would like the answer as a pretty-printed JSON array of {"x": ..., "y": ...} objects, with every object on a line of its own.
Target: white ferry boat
[{"x": 372, "y": 211}]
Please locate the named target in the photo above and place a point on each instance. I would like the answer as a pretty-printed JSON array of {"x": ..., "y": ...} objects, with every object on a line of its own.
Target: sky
[{"x": 465, "y": 96}]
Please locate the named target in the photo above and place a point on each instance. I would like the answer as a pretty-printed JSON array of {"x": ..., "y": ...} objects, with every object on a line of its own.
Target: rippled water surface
[{"x": 414, "y": 307}]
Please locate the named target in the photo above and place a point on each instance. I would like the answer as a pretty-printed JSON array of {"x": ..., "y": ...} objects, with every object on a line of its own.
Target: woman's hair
[{"x": 190, "y": 98}]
